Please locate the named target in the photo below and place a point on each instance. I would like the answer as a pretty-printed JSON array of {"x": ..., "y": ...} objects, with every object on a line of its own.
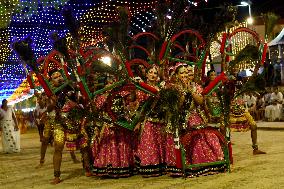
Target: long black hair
[
  {"x": 4, "y": 101},
  {"x": 208, "y": 77}
]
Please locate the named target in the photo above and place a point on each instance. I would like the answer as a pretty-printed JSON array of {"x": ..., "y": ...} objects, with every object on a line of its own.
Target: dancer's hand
[{"x": 137, "y": 127}]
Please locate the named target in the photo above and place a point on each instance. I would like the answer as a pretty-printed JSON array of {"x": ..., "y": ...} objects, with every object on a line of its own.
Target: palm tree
[{"x": 270, "y": 20}]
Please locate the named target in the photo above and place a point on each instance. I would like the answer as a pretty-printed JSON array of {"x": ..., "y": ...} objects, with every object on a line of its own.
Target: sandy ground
[{"x": 17, "y": 171}]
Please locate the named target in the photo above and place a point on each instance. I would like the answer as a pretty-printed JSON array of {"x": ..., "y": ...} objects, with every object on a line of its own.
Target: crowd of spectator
[{"x": 267, "y": 106}]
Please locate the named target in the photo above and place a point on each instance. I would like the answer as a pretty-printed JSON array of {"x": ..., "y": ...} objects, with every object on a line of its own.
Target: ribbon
[
  {"x": 263, "y": 56},
  {"x": 220, "y": 78}
]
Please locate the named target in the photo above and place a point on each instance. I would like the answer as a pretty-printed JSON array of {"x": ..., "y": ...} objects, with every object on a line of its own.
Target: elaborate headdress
[{"x": 174, "y": 68}]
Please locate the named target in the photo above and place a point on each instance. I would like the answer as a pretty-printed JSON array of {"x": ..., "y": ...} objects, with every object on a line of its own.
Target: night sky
[{"x": 259, "y": 6}]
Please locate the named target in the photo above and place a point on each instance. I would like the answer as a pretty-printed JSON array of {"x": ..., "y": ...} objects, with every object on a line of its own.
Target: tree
[{"x": 270, "y": 20}]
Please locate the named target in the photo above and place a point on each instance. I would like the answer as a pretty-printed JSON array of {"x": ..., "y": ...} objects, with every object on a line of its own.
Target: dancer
[
  {"x": 113, "y": 153},
  {"x": 150, "y": 150},
  {"x": 47, "y": 119},
  {"x": 202, "y": 144},
  {"x": 239, "y": 117},
  {"x": 156, "y": 147},
  {"x": 67, "y": 128},
  {"x": 10, "y": 129},
  {"x": 38, "y": 113},
  {"x": 212, "y": 101}
]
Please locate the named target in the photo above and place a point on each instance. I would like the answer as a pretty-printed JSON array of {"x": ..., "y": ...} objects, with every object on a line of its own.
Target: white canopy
[{"x": 277, "y": 40}]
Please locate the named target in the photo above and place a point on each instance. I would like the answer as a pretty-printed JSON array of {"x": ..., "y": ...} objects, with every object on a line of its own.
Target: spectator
[
  {"x": 10, "y": 129},
  {"x": 273, "y": 112}
]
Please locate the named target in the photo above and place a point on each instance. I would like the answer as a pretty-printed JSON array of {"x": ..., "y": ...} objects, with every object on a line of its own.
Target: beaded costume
[
  {"x": 202, "y": 144},
  {"x": 113, "y": 155}
]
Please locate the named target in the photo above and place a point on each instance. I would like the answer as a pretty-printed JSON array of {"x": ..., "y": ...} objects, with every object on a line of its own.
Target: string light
[
  {"x": 38, "y": 18},
  {"x": 239, "y": 41}
]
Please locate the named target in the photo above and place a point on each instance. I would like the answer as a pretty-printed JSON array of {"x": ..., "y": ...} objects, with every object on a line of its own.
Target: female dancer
[
  {"x": 152, "y": 146},
  {"x": 113, "y": 154},
  {"x": 202, "y": 144}
]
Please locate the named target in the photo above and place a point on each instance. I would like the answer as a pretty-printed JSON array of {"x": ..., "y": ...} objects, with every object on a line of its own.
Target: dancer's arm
[{"x": 197, "y": 97}]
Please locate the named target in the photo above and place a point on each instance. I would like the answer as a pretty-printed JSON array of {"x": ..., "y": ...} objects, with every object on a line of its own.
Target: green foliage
[
  {"x": 250, "y": 52},
  {"x": 165, "y": 27},
  {"x": 270, "y": 20},
  {"x": 169, "y": 103},
  {"x": 169, "y": 99},
  {"x": 254, "y": 84}
]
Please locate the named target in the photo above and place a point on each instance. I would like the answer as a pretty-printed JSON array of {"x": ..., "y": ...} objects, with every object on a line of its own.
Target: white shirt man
[{"x": 273, "y": 112}]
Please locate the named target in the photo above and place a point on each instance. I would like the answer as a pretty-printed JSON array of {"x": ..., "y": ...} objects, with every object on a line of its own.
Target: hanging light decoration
[{"x": 38, "y": 18}]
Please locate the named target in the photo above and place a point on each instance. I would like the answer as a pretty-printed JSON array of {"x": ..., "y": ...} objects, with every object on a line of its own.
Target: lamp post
[{"x": 244, "y": 4}]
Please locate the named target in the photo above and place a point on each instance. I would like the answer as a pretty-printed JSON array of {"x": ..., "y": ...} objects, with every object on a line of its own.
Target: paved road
[{"x": 248, "y": 171}]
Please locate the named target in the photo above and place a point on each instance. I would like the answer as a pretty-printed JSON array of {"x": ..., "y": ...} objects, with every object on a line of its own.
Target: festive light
[
  {"x": 11, "y": 76},
  {"x": 239, "y": 41},
  {"x": 106, "y": 60},
  {"x": 38, "y": 18}
]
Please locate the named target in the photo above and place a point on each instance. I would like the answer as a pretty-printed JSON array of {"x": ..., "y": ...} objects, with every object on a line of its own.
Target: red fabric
[
  {"x": 128, "y": 68},
  {"x": 263, "y": 57},
  {"x": 223, "y": 43},
  {"x": 83, "y": 90},
  {"x": 66, "y": 71},
  {"x": 148, "y": 87},
  {"x": 79, "y": 69},
  {"x": 220, "y": 78},
  {"x": 203, "y": 146},
  {"x": 178, "y": 158},
  {"x": 29, "y": 79},
  {"x": 44, "y": 85},
  {"x": 163, "y": 50}
]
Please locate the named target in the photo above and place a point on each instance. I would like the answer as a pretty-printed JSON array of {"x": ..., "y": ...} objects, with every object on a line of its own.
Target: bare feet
[
  {"x": 258, "y": 152},
  {"x": 40, "y": 164},
  {"x": 56, "y": 180},
  {"x": 89, "y": 174}
]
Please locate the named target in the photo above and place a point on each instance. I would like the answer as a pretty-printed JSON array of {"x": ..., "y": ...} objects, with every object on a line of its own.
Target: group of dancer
[
  {"x": 177, "y": 116},
  {"x": 147, "y": 113}
]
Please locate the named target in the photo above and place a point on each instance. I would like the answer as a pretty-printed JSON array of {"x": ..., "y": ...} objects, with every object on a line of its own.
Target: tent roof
[{"x": 277, "y": 40}]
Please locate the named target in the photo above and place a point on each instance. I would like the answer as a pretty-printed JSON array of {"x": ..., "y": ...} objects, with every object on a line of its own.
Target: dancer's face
[
  {"x": 110, "y": 80},
  {"x": 182, "y": 74},
  {"x": 212, "y": 76},
  {"x": 152, "y": 75},
  {"x": 57, "y": 79}
]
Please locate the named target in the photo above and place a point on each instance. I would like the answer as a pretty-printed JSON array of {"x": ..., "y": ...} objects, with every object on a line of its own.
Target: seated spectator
[
  {"x": 272, "y": 111},
  {"x": 260, "y": 107},
  {"x": 267, "y": 96},
  {"x": 250, "y": 103}
]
